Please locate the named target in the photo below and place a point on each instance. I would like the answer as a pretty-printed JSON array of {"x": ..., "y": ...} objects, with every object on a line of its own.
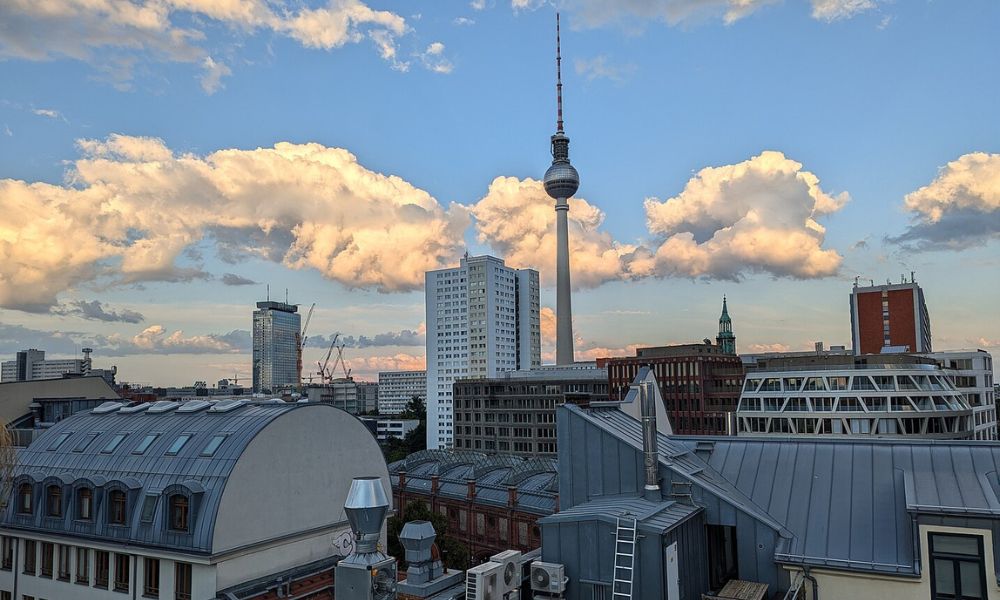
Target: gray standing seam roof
[
  {"x": 153, "y": 473},
  {"x": 652, "y": 517}
]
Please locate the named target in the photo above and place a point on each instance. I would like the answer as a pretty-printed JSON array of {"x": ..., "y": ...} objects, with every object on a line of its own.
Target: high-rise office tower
[
  {"x": 276, "y": 339},
  {"x": 482, "y": 319},
  {"x": 726, "y": 340},
  {"x": 561, "y": 182},
  {"x": 890, "y": 316}
]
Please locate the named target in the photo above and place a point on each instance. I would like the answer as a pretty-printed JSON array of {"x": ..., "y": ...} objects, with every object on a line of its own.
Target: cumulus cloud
[
  {"x": 109, "y": 32},
  {"x": 517, "y": 220},
  {"x": 156, "y": 340},
  {"x": 369, "y": 367},
  {"x": 762, "y": 348},
  {"x": 463, "y": 21},
  {"x": 601, "y": 67},
  {"x": 835, "y": 10},
  {"x": 434, "y": 60},
  {"x": 133, "y": 206},
  {"x": 594, "y": 13},
  {"x": 959, "y": 209},
  {"x": 96, "y": 311},
  {"x": 47, "y": 112},
  {"x": 234, "y": 279},
  {"x": 755, "y": 216}
]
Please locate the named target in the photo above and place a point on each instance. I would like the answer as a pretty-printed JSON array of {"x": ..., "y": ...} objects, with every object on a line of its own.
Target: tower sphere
[{"x": 561, "y": 180}]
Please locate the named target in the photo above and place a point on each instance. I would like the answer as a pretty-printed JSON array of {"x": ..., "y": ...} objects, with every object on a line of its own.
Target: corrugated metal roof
[
  {"x": 87, "y": 456},
  {"x": 655, "y": 517}
]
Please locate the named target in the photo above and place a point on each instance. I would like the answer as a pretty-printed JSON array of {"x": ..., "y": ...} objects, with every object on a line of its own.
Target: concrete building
[
  {"x": 482, "y": 319},
  {"x": 865, "y": 519},
  {"x": 700, "y": 384},
  {"x": 972, "y": 374},
  {"x": 387, "y": 429},
  {"x": 892, "y": 316},
  {"x": 31, "y": 365},
  {"x": 397, "y": 388},
  {"x": 27, "y": 407},
  {"x": 196, "y": 501},
  {"x": 342, "y": 393},
  {"x": 492, "y": 502},
  {"x": 368, "y": 396},
  {"x": 515, "y": 413},
  {"x": 277, "y": 358},
  {"x": 891, "y": 395}
]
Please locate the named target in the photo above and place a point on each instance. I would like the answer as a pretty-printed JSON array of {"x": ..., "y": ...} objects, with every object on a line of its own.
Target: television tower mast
[{"x": 561, "y": 182}]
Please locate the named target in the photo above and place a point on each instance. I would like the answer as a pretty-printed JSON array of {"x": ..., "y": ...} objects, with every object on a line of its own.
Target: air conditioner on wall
[
  {"x": 548, "y": 577},
  {"x": 484, "y": 582},
  {"x": 510, "y": 576}
]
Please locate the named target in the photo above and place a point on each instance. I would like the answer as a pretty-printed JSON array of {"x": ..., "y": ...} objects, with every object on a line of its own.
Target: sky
[{"x": 163, "y": 161}]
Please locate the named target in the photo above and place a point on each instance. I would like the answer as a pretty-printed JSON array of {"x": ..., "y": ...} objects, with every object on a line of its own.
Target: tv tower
[{"x": 561, "y": 182}]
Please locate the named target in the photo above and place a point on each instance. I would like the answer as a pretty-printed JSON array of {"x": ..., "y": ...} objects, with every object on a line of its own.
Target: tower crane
[
  {"x": 323, "y": 373},
  {"x": 302, "y": 337}
]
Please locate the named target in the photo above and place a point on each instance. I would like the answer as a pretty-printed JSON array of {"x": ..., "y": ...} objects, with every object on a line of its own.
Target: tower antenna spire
[{"x": 559, "y": 112}]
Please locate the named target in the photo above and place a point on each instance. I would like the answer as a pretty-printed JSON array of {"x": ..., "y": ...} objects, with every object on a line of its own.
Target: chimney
[
  {"x": 402, "y": 480},
  {"x": 471, "y": 485},
  {"x": 511, "y": 496},
  {"x": 434, "y": 484},
  {"x": 650, "y": 450}
]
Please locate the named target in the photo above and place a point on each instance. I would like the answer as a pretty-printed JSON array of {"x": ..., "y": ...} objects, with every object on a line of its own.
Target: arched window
[
  {"x": 24, "y": 499},
  {"x": 53, "y": 501},
  {"x": 84, "y": 504},
  {"x": 179, "y": 512},
  {"x": 116, "y": 507}
]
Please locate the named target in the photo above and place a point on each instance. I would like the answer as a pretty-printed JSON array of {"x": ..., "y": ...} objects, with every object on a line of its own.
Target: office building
[
  {"x": 27, "y": 407},
  {"x": 31, "y": 365},
  {"x": 482, "y": 320},
  {"x": 971, "y": 372},
  {"x": 277, "y": 358},
  {"x": 892, "y": 317},
  {"x": 887, "y": 395},
  {"x": 343, "y": 393},
  {"x": 515, "y": 412},
  {"x": 700, "y": 384},
  {"x": 368, "y": 396},
  {"x": 185, "y": 501},
  {"x": 397, "y": 388}
]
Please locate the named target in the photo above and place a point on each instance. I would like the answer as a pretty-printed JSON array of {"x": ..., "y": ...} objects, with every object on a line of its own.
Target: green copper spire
[{"x": 726, "y": 338}]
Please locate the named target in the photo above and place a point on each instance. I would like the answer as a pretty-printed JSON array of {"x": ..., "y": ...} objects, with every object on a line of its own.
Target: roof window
[
  {"x": 178, "y": 444},
  {"x": 114, "y": 443},
  {"x": 58, "y": 441},
  {"x": 213, "y": 445},
  {"x": 145, "y": 443},
  {"x": 82, "y": 445}
]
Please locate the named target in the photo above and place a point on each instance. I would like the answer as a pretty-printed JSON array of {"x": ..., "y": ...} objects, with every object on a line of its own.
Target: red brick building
[
  {"x": 890, "y": 316},
  {"x": 700, "y": 384}
]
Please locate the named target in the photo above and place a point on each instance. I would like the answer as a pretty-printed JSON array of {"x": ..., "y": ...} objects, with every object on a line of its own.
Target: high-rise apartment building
[
  {"x": 31, "y": 365},
  {"x": 891, "y": 316},
  {"x": 276, "y": 339},
  {"x": 397, "y": 388},
  {"x": 482, "y": 319}
]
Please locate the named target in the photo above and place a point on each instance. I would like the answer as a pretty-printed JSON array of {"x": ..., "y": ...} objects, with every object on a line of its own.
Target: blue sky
[{"x": 888, "y": 108}]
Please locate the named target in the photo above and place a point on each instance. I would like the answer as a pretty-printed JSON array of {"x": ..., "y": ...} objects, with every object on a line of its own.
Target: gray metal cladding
[{"x": 153, "y": 473}]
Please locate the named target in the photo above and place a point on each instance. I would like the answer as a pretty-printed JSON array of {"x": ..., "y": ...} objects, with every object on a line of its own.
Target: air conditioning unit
[
  {"x": 484, "y": 582},
  {"x": 510, "y": 576},
  {"x": 548, "y": 577}
]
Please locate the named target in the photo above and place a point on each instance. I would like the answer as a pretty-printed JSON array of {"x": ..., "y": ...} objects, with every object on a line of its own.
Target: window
[
  {"x": 102, "y": 564},
  {"x": 58, "y": 441},
  {"x": 150, "y": 577},
  {"x": 24, "y": 499},
  {"x": 116, "y": 507},
  {"x": 30, "y": 556},
  {"x": 47, "y": 551},
  {"x": 148, "y": 508},
  {"x": 178, "y": 444},
  {"x": 213, "y": 445},
  {"x": 179, "y": 512},
  {"x": 53, "y": 501},
  {"x": 957, "y": 569},
  {"x": 145, "y": 443},
  {"x": 182, "y": 581},
  {"x": 113, "y": 443},
  {"x": 8, "y": 553},
  {"x": 82, "y": 444},
  {"x": 84, "y": 504},
  {"x": 83, "y": 565},
  {"x": 63, "y": 564},
  {"x": 122, "y": 563}
]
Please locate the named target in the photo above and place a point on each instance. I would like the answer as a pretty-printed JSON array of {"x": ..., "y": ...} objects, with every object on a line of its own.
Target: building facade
[
  {"x": 277, "y": 359},
  {"x": 397, "y": 388},
  {"x": 163, "y": 500},
  {"x": 515, "y": 413},
  {"x": 972, "y": 374},
  {"x": 368, "y": 396},
  {"x": 891, "y": 316},
  {"x": 887, "y": 395},
  {"x": 700, "y": 384},
  {"x": 482, "y": 319},
  {"x": 31, "y": 365}
]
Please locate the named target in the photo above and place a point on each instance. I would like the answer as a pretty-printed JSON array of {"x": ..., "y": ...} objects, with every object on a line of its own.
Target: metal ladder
[{"x": 625, "y": 539}]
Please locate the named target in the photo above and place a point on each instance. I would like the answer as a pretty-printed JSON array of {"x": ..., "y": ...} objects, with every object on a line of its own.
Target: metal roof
[
  {"x": 87, "y": 456},
  {"x": 653, "y": 517}
]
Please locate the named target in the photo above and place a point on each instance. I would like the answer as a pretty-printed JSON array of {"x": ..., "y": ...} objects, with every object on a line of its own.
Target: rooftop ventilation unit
[
  {"x": 107, "y": 407},
  {"x": 548, "y": 577},
  {"x": 367, "y": 574},
  {"x": 193, "y": 406},
  {"x": 510, "y": 578},
  {"x": 484, "y": 582},
  {"x": 162, "y": 406}
]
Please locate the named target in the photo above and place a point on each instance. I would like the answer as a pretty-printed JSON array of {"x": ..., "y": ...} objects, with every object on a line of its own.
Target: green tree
[{"x": 454, "y": 554}]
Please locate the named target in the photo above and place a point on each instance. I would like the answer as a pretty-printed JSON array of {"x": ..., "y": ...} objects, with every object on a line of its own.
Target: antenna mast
[{"x": 559, "y": 110}]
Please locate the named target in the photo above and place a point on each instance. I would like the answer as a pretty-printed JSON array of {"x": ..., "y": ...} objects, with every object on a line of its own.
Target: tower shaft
[{"x": 564, "y": 308}]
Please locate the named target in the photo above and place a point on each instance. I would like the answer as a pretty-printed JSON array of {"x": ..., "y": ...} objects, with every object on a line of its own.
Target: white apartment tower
[{"x": 482, "y": 320}]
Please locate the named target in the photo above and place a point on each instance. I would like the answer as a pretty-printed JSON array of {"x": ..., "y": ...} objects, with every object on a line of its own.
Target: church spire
[{"x": 726, "y": 339}]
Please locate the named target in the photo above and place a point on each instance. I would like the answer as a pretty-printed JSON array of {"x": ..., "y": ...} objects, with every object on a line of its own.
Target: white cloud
[
  {"x": 960, "y": 208},
  {"x": 463, "y": 21},
  {"x": 836, "y": 10},
  {"x": 775, "y": 347},
  {"x": 595, "y": 13},
  {"x": 755, "y": 216},
  {"x": 434, "y": 60},
  {"x": 7, "y": 131},
  {"x": 601, "y": 67},
  {"x": 478, "y": 4},
  {"x": 47, "y": 112},
  {"x": 211, "y": 80}
]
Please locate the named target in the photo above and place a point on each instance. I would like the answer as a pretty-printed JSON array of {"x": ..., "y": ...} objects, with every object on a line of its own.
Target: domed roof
[{"x": 561, "y": 180}]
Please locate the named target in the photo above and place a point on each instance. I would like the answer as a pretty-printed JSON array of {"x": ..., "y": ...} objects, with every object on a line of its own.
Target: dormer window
[
  {"x": 116, "y": 507},
  {"x": 53, "y": 501},
  {"x": 179, "y": 510},
  {"x": 84, "y": 504},
  {"x": 24, "y": 499}
]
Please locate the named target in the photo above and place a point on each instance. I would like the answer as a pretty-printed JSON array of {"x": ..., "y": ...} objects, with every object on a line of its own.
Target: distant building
[
  {"x": 890, "y": 316},
  {"x": 726, "y": 340},
  {"x": 368, "y": 396},
  {"x": 482, "y": 320},
  {"x": 165, "y": 500},
  {"x": 972, "y": 374},
  {"x": 700, "y": 384},
  {"x": 31, "y": 365},
  {"x": 277, "y": 361},
  {"x": 397, "y": 388},
  {"x": 515, "y": 413},
  {"x": 341, "y": 393},
  {"x": 492, "y": 503},
  {"x": 893, "y": 395},
  {"x": 387, "y": 428},
  {"x": 28, "y": 406}
]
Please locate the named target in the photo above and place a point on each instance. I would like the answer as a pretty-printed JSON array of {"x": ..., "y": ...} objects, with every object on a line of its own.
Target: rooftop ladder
[{"x": 625, "y": 540}]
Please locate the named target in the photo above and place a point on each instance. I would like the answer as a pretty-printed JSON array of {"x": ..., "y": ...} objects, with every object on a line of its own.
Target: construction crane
[
  {"x": 324, "y": 375},
  {"x": 302, "y": 337},
  {"x": 343, "y": 363}
]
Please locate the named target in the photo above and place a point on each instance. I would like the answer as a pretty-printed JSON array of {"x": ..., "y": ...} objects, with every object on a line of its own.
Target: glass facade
[{"x": 276, "y": 329}]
